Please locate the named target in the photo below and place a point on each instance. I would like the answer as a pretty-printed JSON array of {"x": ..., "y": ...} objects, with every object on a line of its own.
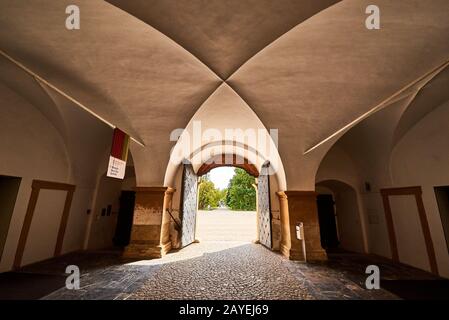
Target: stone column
[
  {"x": 149, "y": 238},
  {"x": 301, "y": 206},
  {"x": 285, "y": 246}
]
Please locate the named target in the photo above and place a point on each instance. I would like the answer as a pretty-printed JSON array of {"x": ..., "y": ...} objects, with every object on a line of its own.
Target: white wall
[
  {"x": 349, "y": 221},
  {"x": 103, "y": 227},
  {"x": 421, "y": 158},
  {"x": 409, "y": 235},
  {"x": 33, "y": 148},
  {"x": 361, "y": 156},
  {"x": 376, "y": 224},
  {"x": 100, "y": 229},
  {"x": 44, "y": 228}
]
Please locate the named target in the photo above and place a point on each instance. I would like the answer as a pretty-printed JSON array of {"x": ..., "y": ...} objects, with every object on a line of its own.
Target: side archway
[{"x": 341, "y": 224}]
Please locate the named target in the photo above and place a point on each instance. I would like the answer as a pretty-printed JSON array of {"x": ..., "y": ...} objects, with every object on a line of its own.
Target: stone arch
[
  {"x": 226, "y": 124},
  {"x": 228, "y": 161},
  {"x": 203, "y": 154}
]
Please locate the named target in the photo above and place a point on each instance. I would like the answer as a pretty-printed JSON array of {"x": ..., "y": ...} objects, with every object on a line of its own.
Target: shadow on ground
[{"x": 219, "y": 270}]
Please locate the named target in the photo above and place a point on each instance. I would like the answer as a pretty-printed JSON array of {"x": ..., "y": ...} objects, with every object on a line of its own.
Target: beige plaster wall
[
  {"x": 409, "y": 235},
  {"x": 421, "y": 158},
  {"x": 44, "y": 227},
  {"x": 34, "y": 148}
]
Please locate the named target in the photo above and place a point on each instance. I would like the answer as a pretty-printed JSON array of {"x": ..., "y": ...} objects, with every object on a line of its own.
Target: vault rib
[
  {"x": 65, "y": 95},
  {"x": 382, "y": 104}
]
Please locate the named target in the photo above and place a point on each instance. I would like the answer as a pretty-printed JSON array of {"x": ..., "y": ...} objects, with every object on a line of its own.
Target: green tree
[
  {"x": 241, "y": 194},
  {"x": 223, "y": 194},
  {"x": 209, "y": 196}
]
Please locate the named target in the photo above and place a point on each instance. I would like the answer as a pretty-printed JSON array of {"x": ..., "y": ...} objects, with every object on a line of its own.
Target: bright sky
[{"x": 221, "y": 176}]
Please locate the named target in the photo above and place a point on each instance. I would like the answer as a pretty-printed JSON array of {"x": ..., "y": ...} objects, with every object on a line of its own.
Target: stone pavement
[
  {"x": 219, "y": 270},
  {"x": 236, "y": 271}
]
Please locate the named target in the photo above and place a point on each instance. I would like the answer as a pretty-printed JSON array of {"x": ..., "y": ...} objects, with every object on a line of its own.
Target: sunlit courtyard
[{"x": 226, "y": 225}]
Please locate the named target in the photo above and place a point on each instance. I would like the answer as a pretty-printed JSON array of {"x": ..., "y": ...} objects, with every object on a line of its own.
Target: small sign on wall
[
  {"x": 299, "y": 231},
  {"x": 119, "y": 155}
]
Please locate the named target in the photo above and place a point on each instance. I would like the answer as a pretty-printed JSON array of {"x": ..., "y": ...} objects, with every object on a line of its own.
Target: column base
[
  {"x": 146, "y": 251},
  {"x": 292, "y": 254},
  {"x": 143, "y": 251},
  {"x": 298, "y": 255},
  {"x": 316, "y": 256}
]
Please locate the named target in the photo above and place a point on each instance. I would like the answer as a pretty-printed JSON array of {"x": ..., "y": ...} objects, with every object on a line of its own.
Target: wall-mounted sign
[
  {"x": 299, "y": 231},
  {"x": 119, "y": 155}
]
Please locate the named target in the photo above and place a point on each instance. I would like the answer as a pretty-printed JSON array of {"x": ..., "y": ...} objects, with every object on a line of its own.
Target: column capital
[
  {"x": 281, "y": 195},
  {"x": 300, "y": 193},
  {"x": 166, "y": 190}
]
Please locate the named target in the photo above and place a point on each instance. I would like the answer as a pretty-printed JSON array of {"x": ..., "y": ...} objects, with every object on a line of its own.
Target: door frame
[
  {"x": 10, "y": 214},
  {"x": 417, "y": 193},
  {"x": 37, "y": 186}
]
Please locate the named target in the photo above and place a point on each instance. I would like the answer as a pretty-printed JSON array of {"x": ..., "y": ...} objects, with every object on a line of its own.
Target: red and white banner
[{"x": 119, "y": 155}]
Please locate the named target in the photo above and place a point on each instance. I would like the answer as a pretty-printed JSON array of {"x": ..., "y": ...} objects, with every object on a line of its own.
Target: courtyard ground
[{"x": 226, "y": 225}]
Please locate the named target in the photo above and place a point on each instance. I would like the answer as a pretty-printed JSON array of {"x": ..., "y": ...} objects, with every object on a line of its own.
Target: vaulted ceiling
[
  {"x": 306, "y": 67},
  {"x": 223, "y": 34}
]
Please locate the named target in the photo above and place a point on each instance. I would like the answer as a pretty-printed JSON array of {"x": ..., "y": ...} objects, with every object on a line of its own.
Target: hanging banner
[{"x": 119, "y": 155}]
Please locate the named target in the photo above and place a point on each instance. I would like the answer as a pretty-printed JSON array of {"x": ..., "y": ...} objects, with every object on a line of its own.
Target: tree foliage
[
  {"x": 241, "y": 194},
  {"x": 209, "y": 196}
]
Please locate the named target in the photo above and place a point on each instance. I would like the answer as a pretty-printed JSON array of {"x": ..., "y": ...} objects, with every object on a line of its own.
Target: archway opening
[
  {"x": 339, "y": 217},
  {"x": 227, "y": 205},
  {"x": 224, "y": 201}
]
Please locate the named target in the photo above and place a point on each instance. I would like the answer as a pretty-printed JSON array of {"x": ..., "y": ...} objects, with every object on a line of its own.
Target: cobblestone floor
[
  {"x": 218, "y": 270},
  {"x": 221, "y": 270},
  {"x": 237, "y": 271}
]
